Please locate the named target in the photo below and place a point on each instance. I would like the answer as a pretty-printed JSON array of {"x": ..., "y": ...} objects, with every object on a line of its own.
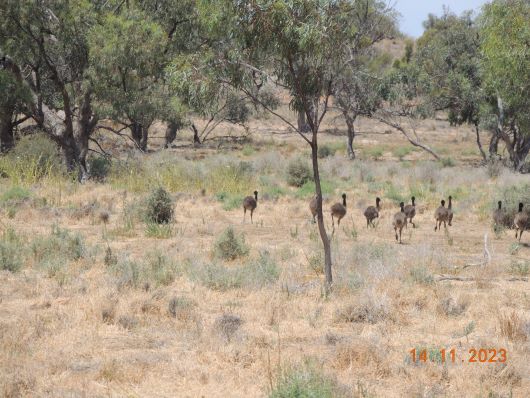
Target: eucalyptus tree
[
  {"x": 505, "y": 59},
  {"x": 12, "y": 103},
  {"x": 356, "y": 85},
  {"x": 298, "y": 45},
  {"x": 43, "y": 47},
  {"x": 450, "y": 78}
]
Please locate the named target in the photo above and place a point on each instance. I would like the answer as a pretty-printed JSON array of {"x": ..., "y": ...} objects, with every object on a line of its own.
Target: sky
[{"x": 414, "y": 12}]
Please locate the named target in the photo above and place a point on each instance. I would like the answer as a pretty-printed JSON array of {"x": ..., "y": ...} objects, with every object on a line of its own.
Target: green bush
[
  {"x": 307, "y": 381},
  {"x": 34, "y": 157},
  {"x": 229, "y": 246},
  {"x": 447, "y": 162},
  {"x": 401, "y": 151},
  {"x": 298, "y": 173},
  {"x": 257, "y": 273},
  {"x": 99, "y": 167},
  {"x": 325, "y": 151},
  {"x": 375, "y": 152},
  {"x": 229, "y": 201},
  {"x": 60, "y": 245},
  {"x": 159, "y": 208},
  {"x": 154, "y": 269},
  {"x": 10, "y": 251},
  {"x": 421, "y": 275},
  {"x": 15, "y": 195}
]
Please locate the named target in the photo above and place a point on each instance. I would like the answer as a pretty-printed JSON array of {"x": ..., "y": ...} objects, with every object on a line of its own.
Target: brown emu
[
  {"x": 400, "y": 221},
  {"x": 520, "y": 222},
  {"x": 250, "y": 203},
  {"x": 338, "y": 210},
  {"x": 410, "y": 211},
  {"x": 441, "y": 215},
  {"x": 372, "y": 212}
]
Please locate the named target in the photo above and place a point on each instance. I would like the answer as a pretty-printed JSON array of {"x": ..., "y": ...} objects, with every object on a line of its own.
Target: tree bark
[
  {"x": 351, "y": 134},
  {"x": 320, "y": 216},
  {"x": 139, "y": 133},
  {"x": 171, "y": 133},
  {"x": 479, "y": 144},
  {"x": 84, "y": 128},
  {"x": 303, "y": 126},
  {"x": 7, "y": 139},
  {"x": 196, "y": 138}
]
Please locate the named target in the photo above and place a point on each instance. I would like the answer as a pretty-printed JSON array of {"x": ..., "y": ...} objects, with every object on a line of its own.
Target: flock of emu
[{"x": 405, "y": 215}]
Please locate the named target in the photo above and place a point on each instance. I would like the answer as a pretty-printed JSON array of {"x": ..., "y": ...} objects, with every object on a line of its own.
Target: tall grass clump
[
  {"x": 307, "y": 380},
  {"x": 401, "y": 151},
  {"x": 298, "y": 173},
  {"x": 154, "y": 269},
  {"x": 255, "y": 274},
  {"x": 33, "y": 158},
  {"x": 325, "y": 151},
  {"x": 11, "y": 249},
  {"x": 54, "y": 252},
  {"x": 230, "y": 246}
]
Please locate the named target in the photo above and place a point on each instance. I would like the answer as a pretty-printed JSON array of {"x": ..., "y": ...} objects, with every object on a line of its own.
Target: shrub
[
  {"x": 298, "y": 173},
  {"x": 451, "y": 306},
  {"x": 494, "y": 168},
  {"x": 325, "y": 150},
  {"x": 447, "y": 162},
  {"x": 375, "y": 152},
  {"x": 10, "y": 251},
  {"x": 60, "y": 245},
  {"x": 370, "y": 308},
  {"x": 99, "y": 167},
  {"x": 159, "y": 208},
  {"x": 15, "y": 195},
  {"x": 422, "y": 275},
  {"x": 154, "y": 269},
  {"x": 34, "y": 157},
  {"x": 307, "y": 380},
  {"x": 229, "y": 201},
  {"x": 260, "y": 272},
  {"x": 520, "y": 268},
  {"x": 227, "y": 325},
  {"x": 218, "y": 277},
  {"x": 182, "y": 308},
  {"x": 257, "y": 273},
  {"x": 229, "y": 246},
  {"x": 401, "y": 151}
]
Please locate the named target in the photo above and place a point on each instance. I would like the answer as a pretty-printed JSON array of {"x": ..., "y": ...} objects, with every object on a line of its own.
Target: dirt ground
[{"x": 84, "y": 334}]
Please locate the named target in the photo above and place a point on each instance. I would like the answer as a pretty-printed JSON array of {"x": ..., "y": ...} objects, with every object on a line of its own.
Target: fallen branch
[{"x": 440, "y": 278}]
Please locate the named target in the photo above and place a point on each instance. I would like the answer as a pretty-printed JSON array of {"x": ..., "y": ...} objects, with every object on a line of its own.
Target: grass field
[{"x": 95, "y": 301}]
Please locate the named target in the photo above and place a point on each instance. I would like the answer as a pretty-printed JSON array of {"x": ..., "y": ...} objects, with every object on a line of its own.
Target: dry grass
[{"x": 164, "y": 313}]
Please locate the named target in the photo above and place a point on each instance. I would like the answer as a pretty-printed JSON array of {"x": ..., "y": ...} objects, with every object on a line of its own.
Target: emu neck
[{"x": 344, "y": 202}]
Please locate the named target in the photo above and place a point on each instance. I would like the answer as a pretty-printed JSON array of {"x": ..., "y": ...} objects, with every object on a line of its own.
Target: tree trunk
[
  {"x": 84, "y": 127},
  {"x": 494, "y": 144},
  {"x": 171, "y": 133},
  {"x": 351, "y": 134},
  {"x": 196, "y": 138},
  {"x": 320, "y": 216},
  {"x": 479, "y": 144},
  {"x": 303, "y": 126},
  {"x": 7, "y": 139},
  {"x": 139, "y": 134}
]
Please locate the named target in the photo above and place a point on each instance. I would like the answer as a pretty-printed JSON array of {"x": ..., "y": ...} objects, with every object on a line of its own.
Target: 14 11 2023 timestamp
[{"x": 480, "y": 355}]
